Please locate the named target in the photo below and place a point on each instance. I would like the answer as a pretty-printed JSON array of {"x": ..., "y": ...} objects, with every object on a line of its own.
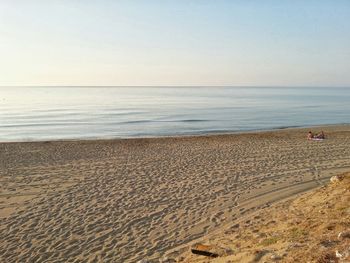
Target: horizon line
[{"x": 178, "y": 86}]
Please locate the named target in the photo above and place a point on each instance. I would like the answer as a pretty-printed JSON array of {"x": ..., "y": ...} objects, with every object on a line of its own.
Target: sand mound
[{"x": 313, "y": 228}]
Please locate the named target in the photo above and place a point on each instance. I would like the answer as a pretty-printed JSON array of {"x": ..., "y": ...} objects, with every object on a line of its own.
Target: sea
[{"x": 65, "y": 113}]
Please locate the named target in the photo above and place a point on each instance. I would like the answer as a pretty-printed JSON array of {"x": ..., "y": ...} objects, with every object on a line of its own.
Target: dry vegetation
[{"x": 313, "y": 228}]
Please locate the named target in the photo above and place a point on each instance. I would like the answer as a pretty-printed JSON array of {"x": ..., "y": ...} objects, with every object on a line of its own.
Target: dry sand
[
  {"x": 314, "y": 227},
  {"x": 126, "y": 200}
]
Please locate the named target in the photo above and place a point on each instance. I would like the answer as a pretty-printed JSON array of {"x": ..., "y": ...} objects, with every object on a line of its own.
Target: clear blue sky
[{"x": 178, "y": 42}]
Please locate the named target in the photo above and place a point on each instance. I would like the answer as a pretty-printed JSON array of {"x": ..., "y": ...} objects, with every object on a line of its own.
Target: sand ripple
[{"x": 124, "y": 200}]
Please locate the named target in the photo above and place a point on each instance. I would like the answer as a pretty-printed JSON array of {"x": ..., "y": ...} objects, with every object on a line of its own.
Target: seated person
[
  {"x": 310, "y": 135},
  {"x": 320, "y": 135}
]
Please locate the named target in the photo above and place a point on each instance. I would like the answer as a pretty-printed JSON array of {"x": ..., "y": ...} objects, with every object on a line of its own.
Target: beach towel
[{"x": 317, "y": 139}]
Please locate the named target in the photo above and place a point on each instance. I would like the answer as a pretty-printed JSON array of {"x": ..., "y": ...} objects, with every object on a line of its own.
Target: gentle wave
[{"x": 78, "y": 113}]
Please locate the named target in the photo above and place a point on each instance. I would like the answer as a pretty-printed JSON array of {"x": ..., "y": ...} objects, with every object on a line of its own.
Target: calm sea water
[{"x": 45, "y": 113}]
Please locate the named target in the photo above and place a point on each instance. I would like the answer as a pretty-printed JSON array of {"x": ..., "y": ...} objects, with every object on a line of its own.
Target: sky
[{"x": 175, "y": 42}]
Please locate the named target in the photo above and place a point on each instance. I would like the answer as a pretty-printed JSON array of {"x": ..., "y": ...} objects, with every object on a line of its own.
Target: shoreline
[
  {"x": 204, "y": 134},
  {"x": 132, "y": 199}
]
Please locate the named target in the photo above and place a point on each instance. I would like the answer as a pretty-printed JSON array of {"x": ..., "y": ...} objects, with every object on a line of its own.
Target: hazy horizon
[
  {"x": 170, "y": 86},
  {"x": 175, "y": 43}
]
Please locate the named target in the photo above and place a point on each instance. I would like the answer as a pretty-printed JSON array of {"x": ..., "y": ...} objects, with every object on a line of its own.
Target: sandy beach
[{"x": 133, "y": 199}]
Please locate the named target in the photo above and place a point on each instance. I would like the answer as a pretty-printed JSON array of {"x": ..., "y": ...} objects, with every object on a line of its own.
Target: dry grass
[{"x": 302, "y": 230}]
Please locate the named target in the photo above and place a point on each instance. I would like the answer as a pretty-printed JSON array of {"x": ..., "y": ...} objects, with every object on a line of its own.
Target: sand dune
[
  {"x": 315, "y": 227},
  {"x": 126, "y": 200}
]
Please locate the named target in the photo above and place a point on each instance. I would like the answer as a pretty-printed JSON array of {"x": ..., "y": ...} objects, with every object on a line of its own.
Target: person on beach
[
  {"x": 320, "y": 135},
  {"x": 310, "y": 135}
]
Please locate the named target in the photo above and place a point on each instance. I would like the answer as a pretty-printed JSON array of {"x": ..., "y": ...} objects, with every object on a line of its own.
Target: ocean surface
[{"x": 54, "y": 113}]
